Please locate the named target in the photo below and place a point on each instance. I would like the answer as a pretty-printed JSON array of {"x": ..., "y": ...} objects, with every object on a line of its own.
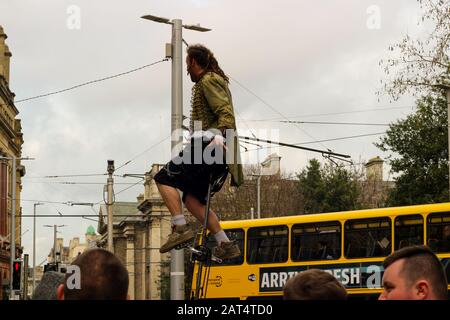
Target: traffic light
[{"x": 17, "y": 272}]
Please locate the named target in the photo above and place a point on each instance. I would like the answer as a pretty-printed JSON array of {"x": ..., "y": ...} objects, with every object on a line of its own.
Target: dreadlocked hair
[{"x": 205, "y": 59}]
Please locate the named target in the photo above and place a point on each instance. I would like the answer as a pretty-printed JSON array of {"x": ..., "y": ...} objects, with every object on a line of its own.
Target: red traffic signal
[{"x": 17, "y": 273}]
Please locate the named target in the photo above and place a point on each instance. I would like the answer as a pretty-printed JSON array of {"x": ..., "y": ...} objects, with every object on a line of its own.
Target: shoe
[
  {"x": 179, "y": 235},
  {"x": 227, "y": 250}
]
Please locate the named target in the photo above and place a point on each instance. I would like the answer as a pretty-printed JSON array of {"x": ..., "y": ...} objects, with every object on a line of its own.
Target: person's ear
[
  {"x": 60, "y": 292},
  {"x": 422, "y": 290}
]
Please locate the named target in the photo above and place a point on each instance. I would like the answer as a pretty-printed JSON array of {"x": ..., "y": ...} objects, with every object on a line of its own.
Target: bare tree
[
  {"x": 279, "y": 197},
  {"x": 419, "y": 64}
]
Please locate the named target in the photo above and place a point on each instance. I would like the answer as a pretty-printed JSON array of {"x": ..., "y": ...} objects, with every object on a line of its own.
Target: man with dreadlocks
[{"x": 213, "y": 132}]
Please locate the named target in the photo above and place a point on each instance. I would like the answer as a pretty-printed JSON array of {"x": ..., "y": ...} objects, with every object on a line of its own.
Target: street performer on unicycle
[{"x": 204, "y": 163}]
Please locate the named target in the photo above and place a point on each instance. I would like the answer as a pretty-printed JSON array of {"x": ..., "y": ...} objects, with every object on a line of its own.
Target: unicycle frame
[{"x": 203, "y": 239}]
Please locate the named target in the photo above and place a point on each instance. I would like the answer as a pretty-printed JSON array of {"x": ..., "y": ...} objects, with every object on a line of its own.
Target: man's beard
[
  {"x": 190, "y": 73},
  {"x": 193, "y": 78}
]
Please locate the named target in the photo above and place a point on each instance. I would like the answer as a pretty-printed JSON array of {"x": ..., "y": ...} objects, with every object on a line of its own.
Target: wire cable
[
  {"x": 330, "y": 114},
  {"x": 274, "y": 109},
  {"x": 134, "y": 184},
  {"x": 334, "y": 139},
  {"x": 143, "y": 152},
  {"x": 69, "y": 176},
  {"x": 337, "y": 123},
  {"x": 91, "y": 82},
  {"x": 75, "y": 183}
]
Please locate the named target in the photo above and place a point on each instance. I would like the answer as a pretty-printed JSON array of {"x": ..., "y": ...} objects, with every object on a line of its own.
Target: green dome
[{"x": 90, "y": 230}]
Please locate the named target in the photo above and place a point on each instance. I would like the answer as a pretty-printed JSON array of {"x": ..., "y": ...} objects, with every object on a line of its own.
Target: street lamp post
[
  {"x": 55, "y": 231},
  {"x": 109, "y": 205},
  {"x": 34, "y": 244},
  {"x": 177, "y": 260}
]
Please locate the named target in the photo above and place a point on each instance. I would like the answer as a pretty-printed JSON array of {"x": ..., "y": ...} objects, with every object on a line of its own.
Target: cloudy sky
[{"x": 289, "y": 60}]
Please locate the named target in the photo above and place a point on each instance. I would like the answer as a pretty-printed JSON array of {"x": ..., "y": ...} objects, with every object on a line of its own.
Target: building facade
[
  {"x": 11, "y": 140},
  {"x": 66, "y": 255}
]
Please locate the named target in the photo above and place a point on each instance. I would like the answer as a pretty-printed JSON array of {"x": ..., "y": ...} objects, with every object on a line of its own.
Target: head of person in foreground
[
  {"x": 314, "y": 284},
  {"x": 97, "y": 274},
  {"x": 413, "y": 273}
]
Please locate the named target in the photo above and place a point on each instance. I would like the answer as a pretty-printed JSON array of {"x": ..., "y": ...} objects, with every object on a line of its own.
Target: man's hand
[{"x": 218, "y": 141}]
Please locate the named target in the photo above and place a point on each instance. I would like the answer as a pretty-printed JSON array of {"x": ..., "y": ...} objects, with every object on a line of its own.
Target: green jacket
[{"x": 213, "y": 106}]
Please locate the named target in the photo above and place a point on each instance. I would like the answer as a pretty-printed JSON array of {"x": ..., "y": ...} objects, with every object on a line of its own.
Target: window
[
  {"x": 438, "y": 232},
  {"x": 267, "y": 244},
  {"x": 367, "y": 238},
  {"x": 408, "y": 231},
  {"x": 316, "y": 241},
  {"x": 232, "y": 234}
]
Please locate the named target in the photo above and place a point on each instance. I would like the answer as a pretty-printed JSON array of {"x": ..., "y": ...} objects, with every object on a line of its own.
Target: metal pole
[
  {"x": 54, "y": 244},
  {"x": 252, "y": 213},
  {"x": 13, "y": 224},
  {"x": 109, "y": 204},
  {"x": 177, "y": 260},
  {"x": 258, "y": 182},
  {"x": 203, "y": 243},
  {"x": 34, "y": 247},
  {"x": 25, "y": 277}
]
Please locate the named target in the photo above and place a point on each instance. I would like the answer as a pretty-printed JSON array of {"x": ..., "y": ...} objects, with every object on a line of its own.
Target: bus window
[
  {"x": 367, "y": 238},
  {"x": 232, "y": 234},
  {"x": 316, "y": 241},
  {"x": 267, "y": 244},
  {"x": 438, "y": 232},
  {"x": 408, "y": 231}
]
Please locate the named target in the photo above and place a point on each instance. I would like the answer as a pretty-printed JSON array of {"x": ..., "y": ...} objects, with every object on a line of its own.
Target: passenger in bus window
[
  {"x": 444, "y": 243},
  {"x": 314, "y": 284},
  {"x": 324, "y": 252},
  {"x": 413, "y": 273}
]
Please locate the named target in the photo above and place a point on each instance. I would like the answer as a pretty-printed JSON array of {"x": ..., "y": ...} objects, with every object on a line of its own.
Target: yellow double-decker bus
[{"x": 350, "y": 245}]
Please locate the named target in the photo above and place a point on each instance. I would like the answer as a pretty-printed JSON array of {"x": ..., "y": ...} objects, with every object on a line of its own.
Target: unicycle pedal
[
  {"x": 203, "y": 254},
  {"x": 183, "y": 245}
]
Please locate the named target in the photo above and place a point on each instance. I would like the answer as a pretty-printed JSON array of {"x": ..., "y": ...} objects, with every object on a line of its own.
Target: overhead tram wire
[
  {"x": 134, "y": 184},
  {"x": 326, "y": 140},
  {"x": 140, "y": 154},
  {"x": 329, "y": 114},
  {"x": 116, "y": 193},
  {"x": 337, "y": 123},
  {"x": 45, "y": 201},
  {"x": 328, "y": 152},
  {"x": 75, "y": 182},
  {"x": 76, "y": 215},
  {"x": 91, "y": 82},
  {"x": 274, "y": 109},
  {"x": 103, "y": 174},
  {"x": 68, "y": 176}
]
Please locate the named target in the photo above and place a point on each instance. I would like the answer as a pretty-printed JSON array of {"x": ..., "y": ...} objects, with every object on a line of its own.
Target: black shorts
[{"x": 191, "y": 173}]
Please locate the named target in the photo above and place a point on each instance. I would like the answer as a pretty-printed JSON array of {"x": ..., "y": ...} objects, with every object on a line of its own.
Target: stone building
[
  {"x": 66, "y": 255},
  {"x": 11, "y": 140},
  {"x": 374, "y": 188}
]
